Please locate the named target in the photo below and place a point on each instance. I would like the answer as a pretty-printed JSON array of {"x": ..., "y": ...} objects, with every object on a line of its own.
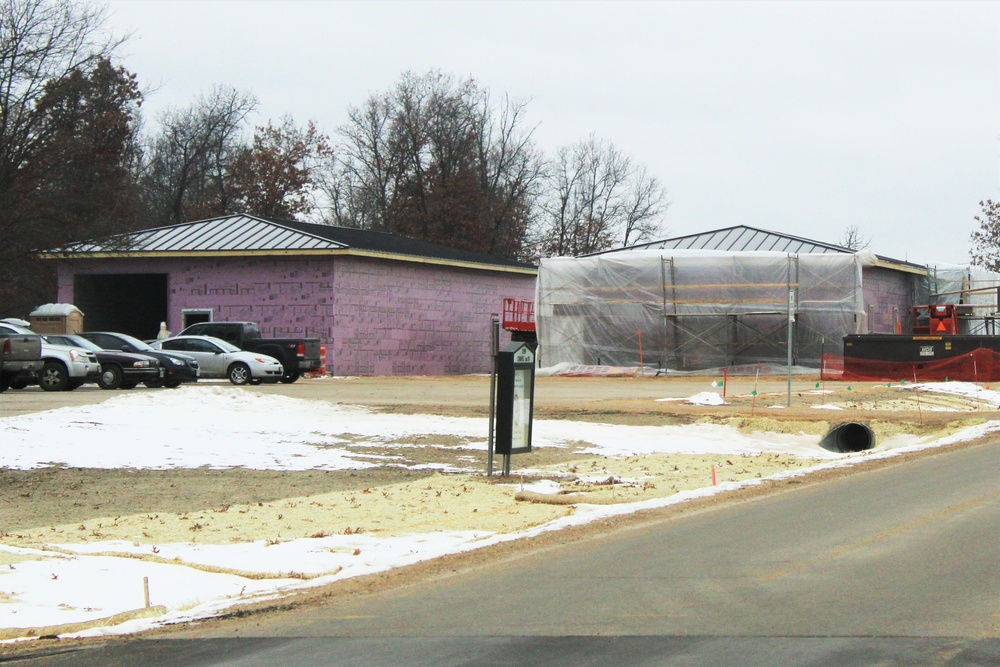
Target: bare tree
[
  {"x": 359, "y": 186},
  {"x": 854, "y": 240},
  {"x": 986, "y": 240},
  {"x": 644, "y": 205},
  {"x": 510, "y": 175},
  {"x": 564, "y": 226},
  {"x": 186, "y": 173},
  {"x": 437, "y": 159},
  {"x": 597, "y": 198}
]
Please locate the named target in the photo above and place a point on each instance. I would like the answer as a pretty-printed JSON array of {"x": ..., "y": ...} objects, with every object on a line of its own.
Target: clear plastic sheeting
[
  {"x": 973, "y": 288},
  {"x": 695, "y": 309}
]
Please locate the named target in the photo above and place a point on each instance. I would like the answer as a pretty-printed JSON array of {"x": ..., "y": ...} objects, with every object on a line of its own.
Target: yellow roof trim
[
  {"x": 918, "y": 270},
  {"x": 322, "y": 252}
]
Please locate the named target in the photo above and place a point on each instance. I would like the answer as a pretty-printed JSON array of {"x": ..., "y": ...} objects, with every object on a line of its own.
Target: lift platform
[{"x": 518, "y": 317}]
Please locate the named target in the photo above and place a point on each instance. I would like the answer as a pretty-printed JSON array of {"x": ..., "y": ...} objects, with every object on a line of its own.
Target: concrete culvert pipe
[{"x": 848, "y": 437}]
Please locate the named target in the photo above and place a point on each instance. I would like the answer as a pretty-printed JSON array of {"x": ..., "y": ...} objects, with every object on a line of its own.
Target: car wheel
[
  {"x": 74, "y": 384},
  {"x": 172, "y": 384},
  {"x": 129, "y": 385},
  {"x": 239, "y": 374},
  {"x": 111, "y": 377},
  {"x": 290, "y": 378},
  {"x": 53, "y": 377},
  {"x": 18, "y": 384},
  {"x": 154, "y": 384}
]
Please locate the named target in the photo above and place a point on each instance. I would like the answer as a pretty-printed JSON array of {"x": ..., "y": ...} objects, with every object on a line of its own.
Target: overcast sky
[{"x": 796, "y": 117}]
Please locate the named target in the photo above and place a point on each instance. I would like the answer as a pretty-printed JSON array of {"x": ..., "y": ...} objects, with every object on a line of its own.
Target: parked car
[
  {"x": 119, "y": 370},
  {"x": 296, "y": 355},
  {"x": 63, "y": 368},
  {"x": 20, "y": 358},
  {"x": 219, "y": 359},
  {"x": 177, "y": 368}
]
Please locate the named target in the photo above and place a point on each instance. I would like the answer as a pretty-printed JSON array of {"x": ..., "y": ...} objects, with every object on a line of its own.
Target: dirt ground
[
  {"x": 53, "y": 505},
  {"x": 64, "y": 505}
]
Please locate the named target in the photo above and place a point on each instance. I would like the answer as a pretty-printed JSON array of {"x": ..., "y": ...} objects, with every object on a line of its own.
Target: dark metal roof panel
[
  {"x": 708, "y": 241},
  {"x": 741, "y": 238},
  {"x": 394, "y": 244},
  {"x": 749, "y": 240},
  {"x": 777, "y": 244},
  {"x": 250, "y": 233},
  {"x": 231, "y": 233}
]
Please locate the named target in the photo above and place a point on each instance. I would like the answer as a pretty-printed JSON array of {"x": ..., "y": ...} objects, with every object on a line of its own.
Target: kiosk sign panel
[{"x": 515, "y": 398}]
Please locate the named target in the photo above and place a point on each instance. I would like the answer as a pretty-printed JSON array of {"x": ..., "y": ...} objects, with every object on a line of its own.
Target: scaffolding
[
  {"x": 973, "y": 290},
  {"x": 697, "y": 309}
]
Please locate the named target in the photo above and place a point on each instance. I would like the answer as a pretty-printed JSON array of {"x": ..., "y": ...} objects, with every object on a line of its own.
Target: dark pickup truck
[
  {"x": 20, "y": 358},
  {"x": 297, "y": 355}
]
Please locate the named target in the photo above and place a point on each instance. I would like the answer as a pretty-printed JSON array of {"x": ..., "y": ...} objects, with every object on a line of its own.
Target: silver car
[
  {"x": 219, "y": 359},
  {"x": 64, "y": 368}
]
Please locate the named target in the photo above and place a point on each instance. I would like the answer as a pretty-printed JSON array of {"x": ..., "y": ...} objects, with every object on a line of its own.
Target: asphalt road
[{"x": 894, "y": 566}]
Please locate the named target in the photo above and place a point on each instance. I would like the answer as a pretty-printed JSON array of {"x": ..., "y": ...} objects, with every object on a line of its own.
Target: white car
[{"x": 219, "y": 359}]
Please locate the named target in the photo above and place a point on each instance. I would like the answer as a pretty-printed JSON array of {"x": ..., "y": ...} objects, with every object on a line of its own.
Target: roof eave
[
  {"x": 916, "y": 269},
  {"x": 351, "y": 252}
]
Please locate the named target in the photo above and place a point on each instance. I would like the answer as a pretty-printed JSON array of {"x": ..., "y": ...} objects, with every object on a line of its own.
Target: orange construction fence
[{"x": 982, "y": 365}]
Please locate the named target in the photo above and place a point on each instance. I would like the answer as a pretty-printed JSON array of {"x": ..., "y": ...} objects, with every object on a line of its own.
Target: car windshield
[
  {"x": 74, "y": 341},
  {"x": 228, "y": 347},
  {"x": 11, "y": 328},
  {"x": 135, "y": 342}
]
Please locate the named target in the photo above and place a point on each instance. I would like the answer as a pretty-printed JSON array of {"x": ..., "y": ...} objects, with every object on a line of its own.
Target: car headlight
[
  {"x": 140, "y": 364},
  {"x": 176, "y": 362}
]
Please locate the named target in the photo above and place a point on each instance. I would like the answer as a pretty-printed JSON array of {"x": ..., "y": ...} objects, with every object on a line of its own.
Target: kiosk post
[
  {"x": 515, "y": 399},
  {"x": 494, "y": 351}
]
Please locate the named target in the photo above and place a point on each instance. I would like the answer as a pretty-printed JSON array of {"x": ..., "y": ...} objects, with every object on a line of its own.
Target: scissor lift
[{"x": 518, "y": 318}]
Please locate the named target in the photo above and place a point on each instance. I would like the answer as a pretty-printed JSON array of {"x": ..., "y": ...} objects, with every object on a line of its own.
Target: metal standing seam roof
[
  {"x": 231, "y": 233},
  {"x": 743, "y": 239},
  {"x": 247, "y": 233}
]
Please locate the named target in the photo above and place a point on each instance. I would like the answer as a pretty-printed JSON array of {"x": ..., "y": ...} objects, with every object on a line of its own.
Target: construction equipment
[
  {"x": 518, "y": 317},
  {"x": 934, "y": 350},
  {"x": 935, "y": 319}
]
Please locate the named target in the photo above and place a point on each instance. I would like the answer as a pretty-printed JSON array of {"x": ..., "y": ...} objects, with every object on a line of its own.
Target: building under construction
[{"x": 725, "y": 298}]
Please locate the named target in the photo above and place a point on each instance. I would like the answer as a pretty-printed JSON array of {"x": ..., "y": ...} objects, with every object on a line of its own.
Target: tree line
[{"x": 436, "y": 157}]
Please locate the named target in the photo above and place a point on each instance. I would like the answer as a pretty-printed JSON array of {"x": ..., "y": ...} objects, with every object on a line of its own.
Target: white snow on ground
[
  {"x": 985, "y": 395},
  {"x": 706, "y": 398},
  {"x": 226, "y": 427}
]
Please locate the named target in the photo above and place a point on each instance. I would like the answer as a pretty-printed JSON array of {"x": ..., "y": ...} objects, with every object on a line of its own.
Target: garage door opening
[{"x": 132, "y": 303}]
